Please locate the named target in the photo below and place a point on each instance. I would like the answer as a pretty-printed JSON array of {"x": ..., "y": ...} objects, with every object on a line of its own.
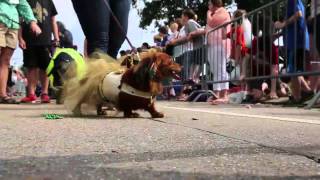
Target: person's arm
[
  {"x": 54, "y": 25},
  {"x": 55, "y": 30},
  {"x": 291, "y": 20},
  {"x": 179, "y": 40},
  {"x": 26, "y": 13},
  {"x": 22, "y": 43},
  {"x": 199, "y": 32}
]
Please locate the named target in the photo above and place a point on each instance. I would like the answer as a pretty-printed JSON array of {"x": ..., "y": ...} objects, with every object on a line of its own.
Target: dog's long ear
[{"x": 146, "y": 61}]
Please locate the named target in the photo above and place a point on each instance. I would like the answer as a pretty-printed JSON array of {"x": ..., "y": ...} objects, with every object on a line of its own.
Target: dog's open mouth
[{"x": 175, "y": 75}]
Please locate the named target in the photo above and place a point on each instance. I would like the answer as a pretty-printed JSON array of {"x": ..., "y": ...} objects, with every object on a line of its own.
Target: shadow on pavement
[{"x": 98, "y": 166}]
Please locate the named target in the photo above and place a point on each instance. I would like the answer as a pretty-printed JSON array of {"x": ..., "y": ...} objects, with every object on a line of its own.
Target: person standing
[
  {"x": 10, "y": 10},
  {"x": 296, "y": 42},
  {"x": 36, "y": 50},
  {"x": 65, "y": 36},
  {"x": 99, "y": 26},
  {"x": 218, "y": 48}
]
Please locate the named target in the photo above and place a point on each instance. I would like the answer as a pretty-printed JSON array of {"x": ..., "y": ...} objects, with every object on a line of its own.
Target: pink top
[{"x": 219, "y": 17}]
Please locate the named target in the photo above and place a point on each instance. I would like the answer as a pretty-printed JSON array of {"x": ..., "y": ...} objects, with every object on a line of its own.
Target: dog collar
[{"x": 126, "y": 88}]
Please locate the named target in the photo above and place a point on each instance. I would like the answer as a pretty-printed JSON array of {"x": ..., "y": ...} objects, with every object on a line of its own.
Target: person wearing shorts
[
  {"x": 297, "y": 43},
  {"x": 11, "y": 10},
  {"x": 36, "y": 50}
]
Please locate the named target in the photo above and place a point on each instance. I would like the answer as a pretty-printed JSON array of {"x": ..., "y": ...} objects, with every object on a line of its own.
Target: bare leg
[
  {"x": 5, "y": 56},
  {"x": 32, "y": 76},
  {"x": 44, "y": 81},
  {"x": 273, "y": 93},
  {"x": 244, "y": 72},
  {"x": 304, "y": 84},
  {"x": 296, "y": 88},
  {"x": 222, "y": 97},
  {"x": 224, "y": 94}
]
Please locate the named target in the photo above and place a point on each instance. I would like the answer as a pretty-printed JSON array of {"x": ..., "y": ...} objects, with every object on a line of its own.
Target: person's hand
[
  {"x": 35, "y": 28},
  {"x": 56, "y": 43},
  {"x": 191, "y": 36},
  {"x": 173, "y": 42},
  {"x": 279, "y": 25},
  {"x": 22, "y": 43}
]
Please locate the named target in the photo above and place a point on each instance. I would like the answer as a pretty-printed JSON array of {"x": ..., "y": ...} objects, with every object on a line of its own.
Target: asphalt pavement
[{"x": 193, "y": 141}]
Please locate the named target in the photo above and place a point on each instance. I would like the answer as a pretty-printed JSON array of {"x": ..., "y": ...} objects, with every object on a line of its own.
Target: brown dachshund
[{"x": 134, "y": 89}]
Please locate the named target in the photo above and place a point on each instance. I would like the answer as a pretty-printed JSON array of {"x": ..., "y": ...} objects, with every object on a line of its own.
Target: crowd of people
[
  {"x": 254, "y": 49},
  {"x": 231, "y": 38}
]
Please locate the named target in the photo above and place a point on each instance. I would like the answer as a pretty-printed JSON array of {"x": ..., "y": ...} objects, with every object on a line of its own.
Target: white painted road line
[{"x": 309, "y": 121}]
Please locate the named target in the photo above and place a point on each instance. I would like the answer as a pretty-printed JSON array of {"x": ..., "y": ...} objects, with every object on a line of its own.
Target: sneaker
[
  {"x": 45, "y": 98},
  {"x": 31, "y": 98}
]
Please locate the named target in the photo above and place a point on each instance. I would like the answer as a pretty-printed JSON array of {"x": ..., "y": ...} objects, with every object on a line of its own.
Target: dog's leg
[
  {"x": 77, "y": 110},
  {"x": 100, "y": 111},
  {"x": 154, "y": 113},
  {"x": 129, "y": 114}
]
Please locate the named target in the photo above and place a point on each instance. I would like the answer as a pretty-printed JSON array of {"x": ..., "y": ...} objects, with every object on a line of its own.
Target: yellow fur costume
[{"x": 85, "y": 90}]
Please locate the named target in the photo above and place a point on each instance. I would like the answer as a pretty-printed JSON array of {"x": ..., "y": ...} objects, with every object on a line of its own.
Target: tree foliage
[{"x": 168, "y": 10}]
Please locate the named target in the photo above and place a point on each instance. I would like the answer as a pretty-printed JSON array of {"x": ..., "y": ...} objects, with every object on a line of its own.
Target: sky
[{"x": 67, "y": 15}]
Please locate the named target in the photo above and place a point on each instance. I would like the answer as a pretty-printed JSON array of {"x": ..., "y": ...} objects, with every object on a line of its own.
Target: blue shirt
[{"x": 297, "y": 33}]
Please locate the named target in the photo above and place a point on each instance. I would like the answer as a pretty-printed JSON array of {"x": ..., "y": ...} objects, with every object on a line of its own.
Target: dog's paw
[
  {"x": 77, "y": 113},
  {"x": 157, "y": 115},
  {"x": 132, "y": 115},
  {"x": 101, "y": 112}
]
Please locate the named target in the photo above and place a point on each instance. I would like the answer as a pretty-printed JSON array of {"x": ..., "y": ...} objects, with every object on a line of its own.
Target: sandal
[
  {"x": 272, "y": 97},
  {"x": 8, "y": 100}
]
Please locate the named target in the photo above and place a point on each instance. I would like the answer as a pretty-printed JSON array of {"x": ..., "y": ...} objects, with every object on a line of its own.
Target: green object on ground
[{"x": 53, "y": 116}]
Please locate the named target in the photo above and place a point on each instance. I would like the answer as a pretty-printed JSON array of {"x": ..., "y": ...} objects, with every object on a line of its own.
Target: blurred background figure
[{"x": 65, "y": 36}]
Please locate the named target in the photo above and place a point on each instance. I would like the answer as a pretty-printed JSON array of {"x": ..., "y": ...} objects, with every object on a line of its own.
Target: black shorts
[{"x": 36, "y": 57}]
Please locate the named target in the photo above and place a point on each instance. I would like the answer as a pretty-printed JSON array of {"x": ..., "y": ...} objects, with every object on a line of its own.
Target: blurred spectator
[
  {"x": 36, "y": 50},
  {"x": 239, "y": 45},
  {"x": 99, "y": 26},
  {"x": 9, "y": 25},
  {"x": 174, "y": 34},
  {"x": 157, "y": 39},
  {"x": 65, "y": 36},
  {"x": 173, "y": 31},
  {"x": 161, "y": 39},
  {"x": 123, "y": 53},
  {"x": 189, "y": 26},
  {"x": 139, "y": 50},
  {"x": 20, "y": 82},
  {"x": 219, "y": 48},
  {"x": 145, "y": 46},
  {"x": 297, "y": 43}
]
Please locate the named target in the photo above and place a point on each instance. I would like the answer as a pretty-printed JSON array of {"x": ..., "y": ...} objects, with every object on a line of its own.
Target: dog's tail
[{"x": 84, "y": 90}]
